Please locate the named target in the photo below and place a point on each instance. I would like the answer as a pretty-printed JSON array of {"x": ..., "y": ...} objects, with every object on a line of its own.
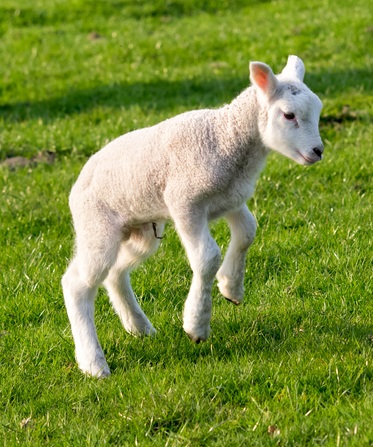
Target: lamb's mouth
[{"x": 309, "y": 160}]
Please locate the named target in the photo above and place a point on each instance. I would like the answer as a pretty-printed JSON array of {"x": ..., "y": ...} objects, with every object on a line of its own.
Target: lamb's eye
[{"x": 289, "y": 116}]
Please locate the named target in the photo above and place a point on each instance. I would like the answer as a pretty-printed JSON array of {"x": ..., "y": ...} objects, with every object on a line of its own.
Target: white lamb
[{"x": 192, "y": 168}]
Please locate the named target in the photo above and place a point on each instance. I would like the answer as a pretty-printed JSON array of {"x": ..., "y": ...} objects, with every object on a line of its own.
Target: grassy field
[{"x": 292, "y": 366}]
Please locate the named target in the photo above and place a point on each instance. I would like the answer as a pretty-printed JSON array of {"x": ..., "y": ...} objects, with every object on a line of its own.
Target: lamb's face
[
  {"x": 292, "y": 126},
  {"x": 289, "y": 122}
]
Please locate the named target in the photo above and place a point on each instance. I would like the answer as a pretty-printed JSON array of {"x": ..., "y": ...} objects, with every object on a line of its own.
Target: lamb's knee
[
  {"x": 70, "y": 279},
  {"x": 243, "y": 228},
  {"x": 215, "y": 258},
  {"x": 250, "y": 229},
  {"x": 210, "y": 262},
  {"x": 78, "y": 280}
]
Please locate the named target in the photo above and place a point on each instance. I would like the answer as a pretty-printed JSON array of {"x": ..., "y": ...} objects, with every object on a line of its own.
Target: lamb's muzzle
[
  {"x": 192, "y": 168},
  {"x": 319, "y": 151}
]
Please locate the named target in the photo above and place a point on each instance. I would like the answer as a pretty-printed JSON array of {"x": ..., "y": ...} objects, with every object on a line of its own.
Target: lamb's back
[{"x": 135, "y": 168}]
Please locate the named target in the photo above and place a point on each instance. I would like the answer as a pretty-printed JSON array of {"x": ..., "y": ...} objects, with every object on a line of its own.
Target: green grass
[{"x": 298, "y": 354}]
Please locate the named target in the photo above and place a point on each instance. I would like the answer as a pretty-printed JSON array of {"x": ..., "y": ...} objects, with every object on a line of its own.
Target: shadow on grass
[
  {"x": 337, "y": 82},
  {"x": 264, "y": 338},
  {"x": 156, "y": 95},
  {"x": 60, "y": 13},
  {"x": 163, "y": 95}
]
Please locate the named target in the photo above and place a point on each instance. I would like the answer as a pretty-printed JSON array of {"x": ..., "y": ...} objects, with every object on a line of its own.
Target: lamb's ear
[
  {"x": 294, "y": 68},
  {"x": 261, "y": 75}
]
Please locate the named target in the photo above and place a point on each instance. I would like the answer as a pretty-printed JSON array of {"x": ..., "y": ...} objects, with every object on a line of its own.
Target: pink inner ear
[{"x": 261, "y": 78}]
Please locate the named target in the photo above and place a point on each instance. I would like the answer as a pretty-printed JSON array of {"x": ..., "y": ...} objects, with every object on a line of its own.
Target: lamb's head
[{"x": 289, "y": 111}]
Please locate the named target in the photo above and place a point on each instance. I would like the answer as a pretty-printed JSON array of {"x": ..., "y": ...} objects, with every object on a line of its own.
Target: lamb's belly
[{"x": 137, "y": 212}]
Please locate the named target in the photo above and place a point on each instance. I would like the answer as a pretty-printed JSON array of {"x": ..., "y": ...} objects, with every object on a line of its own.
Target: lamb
[{"x": 195, "y": 167}]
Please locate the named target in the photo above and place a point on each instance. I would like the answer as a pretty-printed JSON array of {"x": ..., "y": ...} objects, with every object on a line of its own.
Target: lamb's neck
[{"x": 241, "y": 119}]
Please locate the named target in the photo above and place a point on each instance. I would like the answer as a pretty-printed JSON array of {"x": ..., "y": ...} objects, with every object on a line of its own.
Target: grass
[{"x": 293, "y": 365}]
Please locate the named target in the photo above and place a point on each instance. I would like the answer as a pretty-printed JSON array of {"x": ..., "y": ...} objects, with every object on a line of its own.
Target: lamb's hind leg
[
  {"x": 231, "y": 274},
  {"x": 80, "y": 283},
  {"x": 142, "y": 242}
]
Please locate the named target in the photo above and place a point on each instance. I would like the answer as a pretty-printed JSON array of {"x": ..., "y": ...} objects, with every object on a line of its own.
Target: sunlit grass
[{"x": 297, "y": 355}]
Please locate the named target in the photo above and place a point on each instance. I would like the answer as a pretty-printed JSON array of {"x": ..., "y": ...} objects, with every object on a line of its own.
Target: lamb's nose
[{"x": 318, "y": 150}]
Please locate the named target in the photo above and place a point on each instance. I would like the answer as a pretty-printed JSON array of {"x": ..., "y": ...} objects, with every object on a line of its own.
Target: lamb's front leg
[
  {"x": 231, "y": 274},
  {"x": 204, "y": 257}
]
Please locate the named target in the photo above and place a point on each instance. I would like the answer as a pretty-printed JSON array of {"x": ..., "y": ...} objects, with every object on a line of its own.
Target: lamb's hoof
[
  {"x": 232, "y": 300},
  {"x": 198, "y": 335},
  {"x": 103, "y": 374},
  {"x": 99, "y": 373},
  {"x": 144, "y": 332},
  {"x": 141, "y": 329},
  {"x": 232, "y": 294},
  {"x": 97, "y": 369},
  {"x": 196, "y": 340},
  {"x": 150, "y": 331}
]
